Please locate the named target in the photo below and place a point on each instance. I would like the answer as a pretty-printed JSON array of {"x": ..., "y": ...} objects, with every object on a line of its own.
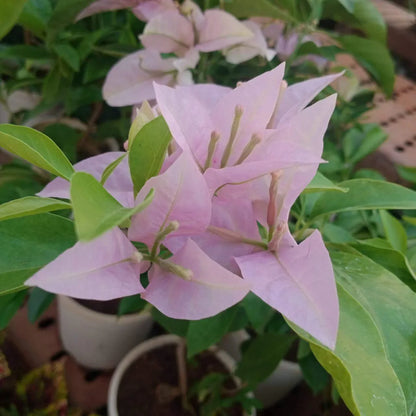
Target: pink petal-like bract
[
  {"x": 181, "y": 194},
  {"x": 221, "y": 30},
  {"x": 238, "y": 217},
  {"x": 118, "y": 184},
  {"x": 130, "y": 81},
  {"x": 168, "y": 32},
  {"x": 192, "y": 118},
  {"x": 186, "y": 111},
  {"x": 299, "y": 282},
  {"x": 299, "y": 95},
  {"x": 101, "y": 269},
  {"x": 211, "y": 290},
  {"x": 107, "y": 5},
  {"x": 250, "y": 48},
  {"x": 308, "y": 127},
  {"x": 148, "y": 9}
]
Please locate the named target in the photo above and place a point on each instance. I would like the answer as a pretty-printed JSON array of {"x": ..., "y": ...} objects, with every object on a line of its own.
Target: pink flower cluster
[
  {"x": 242, "y": 158},
  {"x": 182, "y": 32}
]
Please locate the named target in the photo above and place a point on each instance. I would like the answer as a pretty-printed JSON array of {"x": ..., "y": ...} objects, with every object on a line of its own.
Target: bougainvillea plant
[{"x": 218, "y": 213}]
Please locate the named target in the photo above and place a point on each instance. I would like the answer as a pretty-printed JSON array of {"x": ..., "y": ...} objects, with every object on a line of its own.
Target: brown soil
[
  {"x": 146, "y": 386},
  {"x": 109, "y": 307}
]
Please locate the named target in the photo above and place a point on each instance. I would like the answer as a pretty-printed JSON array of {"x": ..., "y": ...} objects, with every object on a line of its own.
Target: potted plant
[
  {"x": 98, "y": 339},
  {"x": 218, "y": 199},
  {"x": 155, "y": 377}
]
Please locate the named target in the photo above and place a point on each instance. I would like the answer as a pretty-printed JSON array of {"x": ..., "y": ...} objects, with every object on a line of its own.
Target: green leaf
[
  {"x": 36, "y": 148},
  {"x": 29, "y": 243},
  {"x": 68, "y": 54},
  {"x": 394, "y": 230},
  {"x": 53, "y": 85},
  {"x": 206, "y": 332},
  {"x": 310, "y": 48},
  {"x": 348, "y": 4},
  {"x": 314, "y": 374},
  {"x": 257, "y": 311},
  {"x": 394, "y": 261},
  {"x": 262, "y": 356},
  {"x": 9, "y": 305},
  {"x": 249, "y": 8},
  {"x": 17, "y": 180},
  {"x": 30, "y": 205},
  {"x": 373, "y": 365},
  {"x": 65, "y": 137},
  {"x": 410, "y": 220},
  {"x": 336, "y": 234},
  {"x": 110, "y": 168},
  {"x": 321, "y": 183},
  {"x": 35, "y": 16},
  {"x": 64, "y": 14},
  {"x": 95, "y": 210},
  {"x": 147, "y": 152},
  {"x": 39, "y": 301},
  {"x": 10, "y": 11},
  {"x": 406, "y": 172},
  {"x": 174, "y": 326},
  {"x": 374, "y": 57},
  {"x": 365, "y": 194},
  {"x": 360, "y": 141},
  {"x": 358, "y": 14},
  {"x": 131, "y": 304},
  {"x": 25, "y": 52}
]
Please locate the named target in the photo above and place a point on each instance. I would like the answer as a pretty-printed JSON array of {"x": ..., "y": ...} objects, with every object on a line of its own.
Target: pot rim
[
  {"x": 69, "y": 302},
  {"x": 145, "y": 346}
]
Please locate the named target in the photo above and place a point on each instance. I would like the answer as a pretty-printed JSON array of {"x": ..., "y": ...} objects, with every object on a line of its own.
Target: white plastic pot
[
  {"x": 97, "y": 340},
  {"x": 144, "y": 347},
  {"x": 284, "y": 378}
]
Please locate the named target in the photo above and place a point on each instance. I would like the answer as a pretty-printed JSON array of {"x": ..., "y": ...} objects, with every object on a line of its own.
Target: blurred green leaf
[
  {"x": 358, "y": 14},
  {"x": 131, "y": 304},
  {"x": 35, "y": 16},
  {"x": 9, "y": 305},
  {"x": 36, "y": 148},
  {"x": 374, "y": 57},
  {"x": 25, "y": 52},
  {"x": 39, "y": 301},
  {"x": 174, "y": 326},
  {"x": 362, "y": 140},
  {"x": 407, "y": 173},
  {"x": 10, "y": 11},
  {"x": 314, "y": 374},
  {"x": 262, "y": 356},
  {"x": 395, "y": 232},
  {"x": 30, "y": 205},
  {"x": 65, "y": 137},
  {"x": 205, "y": 332},
  {"x": 29, "y": 243},
  {"x": 311, "y": 48},
  {"x": 68, "y": 54},
  {"x": 258, "y": 312},
  {"x": 64, "y": 14},
  {"x": 249, "y": 8}
]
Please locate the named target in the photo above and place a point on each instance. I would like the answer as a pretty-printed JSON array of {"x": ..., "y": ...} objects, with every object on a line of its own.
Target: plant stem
[{"x": 182, "y": 374}]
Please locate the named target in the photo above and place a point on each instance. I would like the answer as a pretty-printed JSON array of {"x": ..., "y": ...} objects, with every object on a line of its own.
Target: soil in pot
[
  {"x": 109, "y": 307},
  {"x": 149, "y": 387}
]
